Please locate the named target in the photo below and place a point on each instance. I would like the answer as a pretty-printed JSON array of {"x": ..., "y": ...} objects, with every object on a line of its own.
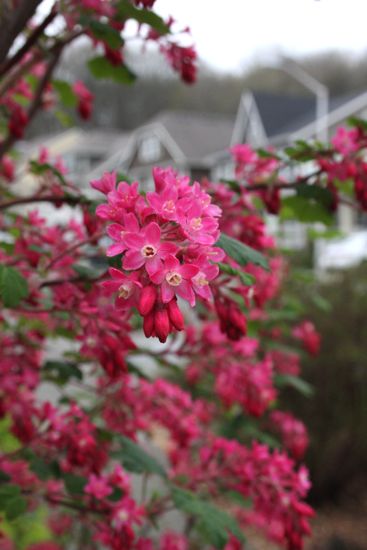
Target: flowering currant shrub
[{"x": 146, "y": 341}]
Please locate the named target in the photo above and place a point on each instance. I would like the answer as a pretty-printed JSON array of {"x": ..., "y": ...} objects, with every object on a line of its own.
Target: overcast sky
[{"x": 231, "y": 33}]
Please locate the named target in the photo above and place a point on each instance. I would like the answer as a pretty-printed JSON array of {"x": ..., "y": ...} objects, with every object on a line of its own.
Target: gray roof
[
  {"x": 102, "y": 141},
  {"x": 282, "y": 113},
  {"x": 77, "y": 140},
  {"x": 198, "y": 135}
]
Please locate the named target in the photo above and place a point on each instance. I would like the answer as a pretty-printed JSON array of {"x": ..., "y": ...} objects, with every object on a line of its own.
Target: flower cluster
[
  {"x": 293, "y": 432},
  {"x": 167, "y": 244},
  {"x": 308, "y": 335}
]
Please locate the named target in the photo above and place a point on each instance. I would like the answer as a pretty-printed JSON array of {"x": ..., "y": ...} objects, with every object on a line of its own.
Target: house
[
  {"x": 189, "y": 141},
  {"x": 81, "y": 151},
  {"x": 198, "y": 144}
]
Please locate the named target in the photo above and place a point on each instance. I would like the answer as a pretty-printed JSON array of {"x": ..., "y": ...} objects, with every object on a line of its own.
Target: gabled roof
[
  {"x": 77, "y": 140},
  {"x": 198, "y": 135},
  {"x": 283, "y": 113}
]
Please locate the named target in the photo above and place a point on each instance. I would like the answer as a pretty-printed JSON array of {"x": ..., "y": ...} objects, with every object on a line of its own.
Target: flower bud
[
  {"x": 175, "y": 315},
  {"x": 147, "y": 300},
  {"x": 237, "y": 322},
  {"x": 161, "y": 324},
  {"x": 148, "y": 324}
]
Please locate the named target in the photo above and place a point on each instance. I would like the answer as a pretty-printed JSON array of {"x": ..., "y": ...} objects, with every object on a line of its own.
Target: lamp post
[{"x": 320, "y": 90}]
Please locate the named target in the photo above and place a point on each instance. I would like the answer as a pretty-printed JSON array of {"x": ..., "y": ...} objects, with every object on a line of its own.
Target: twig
[
  {"x": 47, "y": 198},
  {"x": 32, "y": 39},
  {"x": 75, "y": 246}
]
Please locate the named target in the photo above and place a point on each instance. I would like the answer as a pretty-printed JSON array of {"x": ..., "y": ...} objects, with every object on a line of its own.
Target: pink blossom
[
  {"x": 126, "y": 287},
  {"x": 175, "y": 278},
  {"x": 146, "y": 248},
  {"x": 97, "y": 487},
  {"x": 345, "y": 141}
]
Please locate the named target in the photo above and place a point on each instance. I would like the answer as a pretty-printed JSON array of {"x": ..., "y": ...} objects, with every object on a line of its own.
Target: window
[{"x": 150, "y": 149}]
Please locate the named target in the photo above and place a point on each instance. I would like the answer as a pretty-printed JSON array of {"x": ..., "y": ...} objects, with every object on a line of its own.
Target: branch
[
  {"x": 47, "y": 198},
  {"x": 37, "y": 100},
  {"x": 12, "y": 22},
  {"x": 32, "y": 39},
  {"x": 72, "y": 248},
  {"x": 282, "y": 185}
]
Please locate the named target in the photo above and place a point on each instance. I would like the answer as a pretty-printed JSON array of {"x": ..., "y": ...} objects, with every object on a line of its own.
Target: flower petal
[
  {"x": 134, "y": 241},
  {"x": 188, "y": 271},
  {"x": 167, "y": 292},
  {"x": 115, "y": 249},
  {"x": 133, "y": 260},
  {"x": 185, "y": 291},
  {"x": 152, "y": 233},
  {"x": 152, "y": 265},
  {"x": 167, "y": 249}
]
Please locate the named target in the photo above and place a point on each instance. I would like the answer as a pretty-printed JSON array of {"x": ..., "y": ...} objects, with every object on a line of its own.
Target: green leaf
[
  {"x": 8, "y": 442},
  {"x": 100, "y": 67},
  {"x": 304, "y": 210},
  {"x": 240, "y": 252},
  {"x": 40, "y": 467},
  {"x": 321, "y": 302},
  {"x": 316, "y": 193},
  {"x": 8, "y": 492},
  {"x": 214, "y": 524},
  {"x": 303, "y": 151},
  {"x": 246, "y": 278},
  {"x": 263, "y": 153},
  {"x": 298, "y": 384},
  {"x": 65, "y": 92},
  {"x": 61, "y": 371},
  {"x": 15, "y": 507},
  {"x": 4, "y": 477},
  {"x": 86, "y": 271},
  {"x": 126, "y": 9},
  {"x": 239, "y": 499},
  {"x": 357, "y": 123},
  {"x": 65, "y": 119},
  {"x": 116, "y": 495},
  {"x": 75, "y": 484},
  {"x": 13, "y": 286},
  {"x": 38, "y": 169},
  {"x": 232, "y": 184},
  {"x": 103, "y": 31},
  {"x": 135, "y": 459}
]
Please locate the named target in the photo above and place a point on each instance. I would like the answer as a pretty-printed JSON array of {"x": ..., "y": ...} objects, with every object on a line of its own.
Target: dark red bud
[
  {"x": 148, "y": 325},
  {"x": 147, "y": 300},
  {"x": 161, "y": 324},
  {"x": 175, "y": 315}
]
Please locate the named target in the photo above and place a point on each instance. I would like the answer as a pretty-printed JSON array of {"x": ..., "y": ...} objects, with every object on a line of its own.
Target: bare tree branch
[
  {"x": 13, "y": 19},
  {"x": 32, "y": 39}
]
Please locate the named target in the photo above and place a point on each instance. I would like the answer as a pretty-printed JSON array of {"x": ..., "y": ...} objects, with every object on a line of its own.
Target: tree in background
[{"x": 189, "y": 265}]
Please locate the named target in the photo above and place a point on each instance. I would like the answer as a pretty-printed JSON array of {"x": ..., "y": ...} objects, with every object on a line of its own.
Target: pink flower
[
  {"x": 97, "y": 487},
  {"x": 243, "y": 154},
  {"x": 307, "y": 333},
  {"x": 125, "y": 286},
  {"x": 146, "y": 248},
  {"x": 106, "y": 184},
  {"x": 345, "y": 141},
  {"x": 199, "y": 227},
  {"x": 200, "y": 282},
  {"x": 164, "y": 203},
  {"x": 85, "y": 99},
  {"x": 175, "y": 278},
  {"x": 117, "y": 232},
  {"x": 7, "y": 168}
]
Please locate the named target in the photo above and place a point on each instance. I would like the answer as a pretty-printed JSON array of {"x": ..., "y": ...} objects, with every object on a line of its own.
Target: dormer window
[{"x": 150, "y": 149}]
